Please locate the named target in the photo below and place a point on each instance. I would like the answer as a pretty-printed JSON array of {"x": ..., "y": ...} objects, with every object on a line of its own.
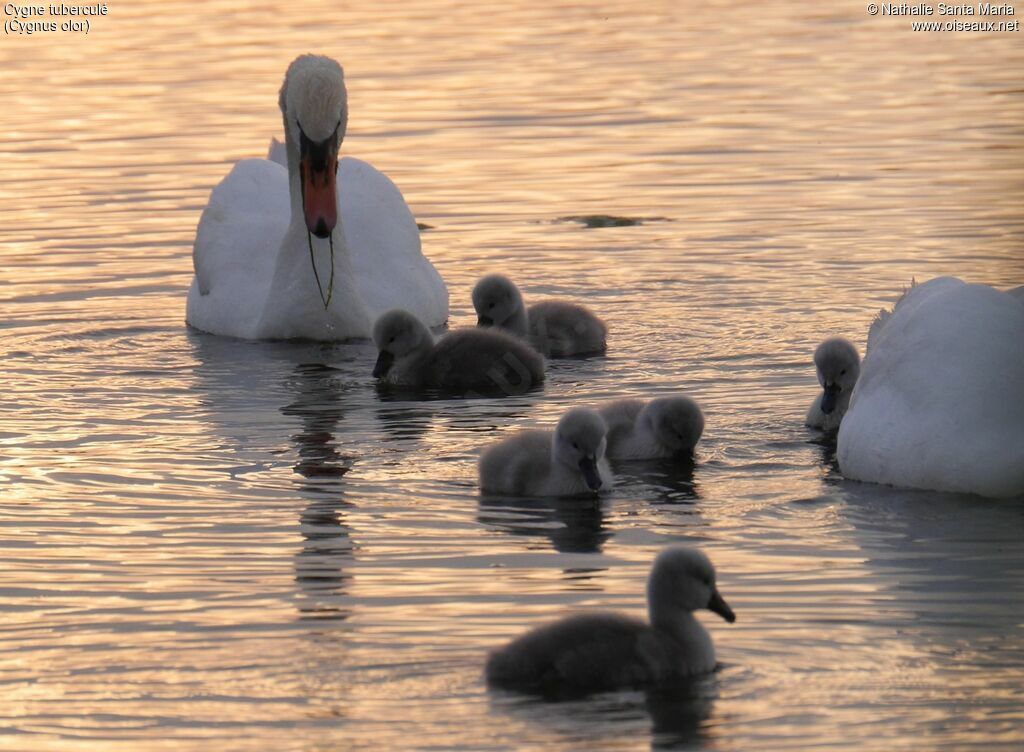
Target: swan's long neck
[{"x": 295, "y": 298}]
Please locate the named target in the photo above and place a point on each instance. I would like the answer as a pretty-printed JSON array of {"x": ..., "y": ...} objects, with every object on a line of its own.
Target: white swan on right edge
[{"x": 939, "y": 403}]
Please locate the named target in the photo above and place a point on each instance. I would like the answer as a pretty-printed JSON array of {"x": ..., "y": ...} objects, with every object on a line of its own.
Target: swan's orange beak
[{"x": 319, "y": 167}]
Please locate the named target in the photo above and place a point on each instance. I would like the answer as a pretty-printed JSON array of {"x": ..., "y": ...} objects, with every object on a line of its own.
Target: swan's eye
[
  {"x": 843, "y": 372},
  {"x": 391, "y": 341},
  {"x": 490, "y": 306},
  {"x": 575, "y": 445}
]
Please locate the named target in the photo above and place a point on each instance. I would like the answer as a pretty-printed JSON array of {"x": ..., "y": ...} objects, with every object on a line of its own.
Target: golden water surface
[{"x": 225, "y": 545}]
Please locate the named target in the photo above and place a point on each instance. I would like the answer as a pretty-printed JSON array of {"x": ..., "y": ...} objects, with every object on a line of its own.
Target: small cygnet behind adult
[
  {"x": 606, "y": 651},
  {"x": 556, "y": 328},
  {"x": 838, "y": 366},
  {"x": 663, "y": 427},
  {"x": 568, "y": 461},
  {"x": 462, "y": 361}
]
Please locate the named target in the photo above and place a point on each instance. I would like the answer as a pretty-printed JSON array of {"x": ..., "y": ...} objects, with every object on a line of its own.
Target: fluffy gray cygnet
[
  {"x": 606, "y": 651},
  {"x": 838, "y": 366},
  {"x": 663, "y": 427},
  {"x": 461, "y": 361},
  {"x": 568, "y": 461},
  {"x": 556, "y": 328}
]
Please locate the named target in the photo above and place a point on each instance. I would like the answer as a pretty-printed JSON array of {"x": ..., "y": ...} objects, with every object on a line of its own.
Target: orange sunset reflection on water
[{"x": 245, "y": 545}]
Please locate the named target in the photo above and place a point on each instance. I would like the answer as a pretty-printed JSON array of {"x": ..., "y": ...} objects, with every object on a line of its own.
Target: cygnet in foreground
[
  {"x": 838, "y": 366},
  {"x": 663, "y": 427},
  {"x": 462, "y": 361},
  {"x": 555, "y": 328},
  {"x": 606, "y": 651},
  {"x": 568, "y": 461}
]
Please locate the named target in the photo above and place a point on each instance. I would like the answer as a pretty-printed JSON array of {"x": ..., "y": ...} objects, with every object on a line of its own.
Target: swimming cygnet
[
  {"x": 605, "y": 651},
  {"x": 555, "y": 328},
  {"x": 663, "y": 427},
  {"x": 565, "y": 462},
  {"x": 838, "y": 367},
  {"x": 464, "y": 360}
]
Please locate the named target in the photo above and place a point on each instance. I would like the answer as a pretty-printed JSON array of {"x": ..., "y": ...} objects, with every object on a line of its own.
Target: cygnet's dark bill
[
  {"x": 829, "y": 399},
  {"x": 720, "y": 607},
  {"x": 383, "y": 364},
  {"x": 484, "y": 321},
  {"x": 589, "y": 467}
]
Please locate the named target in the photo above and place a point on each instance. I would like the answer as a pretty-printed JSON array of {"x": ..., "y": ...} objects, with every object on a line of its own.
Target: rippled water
[{"x": 211, "y": 542}]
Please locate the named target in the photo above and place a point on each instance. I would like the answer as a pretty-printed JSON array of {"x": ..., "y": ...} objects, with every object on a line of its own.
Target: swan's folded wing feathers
[
  {"x": 239, "y": 233},
  {"x": 384, "y": 242}
]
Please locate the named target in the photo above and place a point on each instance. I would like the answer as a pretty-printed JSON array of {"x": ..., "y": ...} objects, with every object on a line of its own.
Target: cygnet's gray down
[
  {"x": 556, "y": 328},
  {"x": 838, "y": 366},
  {"x": 606, "y": 651},
  {"x": 663, "y": 427},
  {"x": 462, "y": 361},
  {"x": 568, "y": 461}
]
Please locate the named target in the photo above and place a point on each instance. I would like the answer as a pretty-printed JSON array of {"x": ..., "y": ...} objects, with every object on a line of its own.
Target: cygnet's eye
[
  {"x": 490, "y": 306},
  {"x": 575, "y": 445},
  {"x": 391, "y": 341},
  {"x": 843, "y": 372}
]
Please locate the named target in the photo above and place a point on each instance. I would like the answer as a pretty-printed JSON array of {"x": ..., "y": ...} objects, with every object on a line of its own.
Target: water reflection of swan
[
  {"x": 296, "y": 251},
  {"x": 245, "y": 389},
  {"x": 945, "y": 578},
  {"x": 318, "y": 405},
  {"x": 320, "y": 567}
]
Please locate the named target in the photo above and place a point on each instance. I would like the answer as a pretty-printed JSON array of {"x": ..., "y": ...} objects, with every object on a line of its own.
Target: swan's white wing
[
  {"x": 384, "y": 243},
  {"x": 236, "y": 244},
  {"x": 242, "y": 228},
  {"x": 940, "y": 400}
]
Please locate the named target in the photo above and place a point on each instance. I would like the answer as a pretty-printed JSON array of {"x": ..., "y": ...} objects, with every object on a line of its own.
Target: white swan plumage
[
  {"x": 939, "y": 403},
  {"x": 253, "y": 273}
]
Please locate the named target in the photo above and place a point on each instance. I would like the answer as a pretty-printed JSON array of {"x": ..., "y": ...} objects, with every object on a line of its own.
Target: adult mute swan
[
  {"x": 316, "y": 248},
  {"x": 940, "y": 399},
  {"x": 605, "y": 651}
]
